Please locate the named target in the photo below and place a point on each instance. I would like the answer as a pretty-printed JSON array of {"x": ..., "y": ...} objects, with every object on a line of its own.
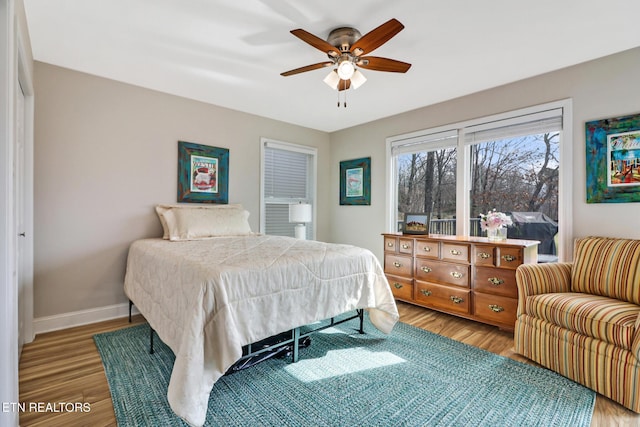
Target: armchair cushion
[
  {"x": 594, "y": 316},
  {"x": 535, "y": 279},
  {"x": 608, "y": 267}
]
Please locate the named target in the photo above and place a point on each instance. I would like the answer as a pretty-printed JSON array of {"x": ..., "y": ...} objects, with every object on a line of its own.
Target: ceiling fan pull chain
[{"x": 345, "y": 95}]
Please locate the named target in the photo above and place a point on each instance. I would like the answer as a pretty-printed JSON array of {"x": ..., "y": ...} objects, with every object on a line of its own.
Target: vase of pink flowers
[{"x": 495, "y": 223}]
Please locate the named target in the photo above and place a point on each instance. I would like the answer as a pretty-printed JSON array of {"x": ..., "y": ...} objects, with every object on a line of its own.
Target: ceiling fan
[{"x": 345, "y": 48}]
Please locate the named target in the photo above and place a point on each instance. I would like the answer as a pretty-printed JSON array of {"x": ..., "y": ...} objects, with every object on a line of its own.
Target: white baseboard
[{"x": 82, "y": 317}]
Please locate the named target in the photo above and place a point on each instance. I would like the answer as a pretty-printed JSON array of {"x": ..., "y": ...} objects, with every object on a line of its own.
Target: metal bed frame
[{"x": 295, "y": 340}]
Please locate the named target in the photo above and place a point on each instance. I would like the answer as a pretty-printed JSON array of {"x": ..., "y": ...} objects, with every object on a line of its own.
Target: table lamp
[{"x": 301, "y": 214}]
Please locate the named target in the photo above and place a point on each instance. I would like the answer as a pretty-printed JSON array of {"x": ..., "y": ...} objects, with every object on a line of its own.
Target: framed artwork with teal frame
[
  {"x": 355, "y": 181},
  {"x": 613, "y": 160},
  {"x": 203, "y": 173}
]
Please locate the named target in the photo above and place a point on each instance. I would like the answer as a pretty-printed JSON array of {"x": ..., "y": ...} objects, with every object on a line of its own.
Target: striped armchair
[{"x": 582, "y": 319}]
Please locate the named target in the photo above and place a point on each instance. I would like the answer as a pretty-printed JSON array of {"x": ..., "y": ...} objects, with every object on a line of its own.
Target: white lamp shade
[
  {"x": 357, "y": 79},
  {"x": 300, "y": 212},
  {"x": 332, "y": 79}
]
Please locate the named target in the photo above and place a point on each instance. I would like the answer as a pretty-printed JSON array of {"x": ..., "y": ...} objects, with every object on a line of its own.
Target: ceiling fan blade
[
  {"x": 307, "y": 68},
  {"x": 316, "y": 42},
  {"x": 383, "y": 64},
  {"x": 377, "y": 37},
  {"x": 344, "y": 85}
]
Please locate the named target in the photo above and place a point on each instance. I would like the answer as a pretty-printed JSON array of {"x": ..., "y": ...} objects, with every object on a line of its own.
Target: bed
[{"x": 209, "y": 290}]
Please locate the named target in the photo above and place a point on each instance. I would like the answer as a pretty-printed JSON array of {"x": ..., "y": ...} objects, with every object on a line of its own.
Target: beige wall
[
  {"x": 599, "y": 89},
  {"x": 105, "y": 154}
]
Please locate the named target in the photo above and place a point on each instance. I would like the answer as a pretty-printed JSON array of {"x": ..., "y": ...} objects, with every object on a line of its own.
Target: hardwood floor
[{"x": 64, "y": 366}]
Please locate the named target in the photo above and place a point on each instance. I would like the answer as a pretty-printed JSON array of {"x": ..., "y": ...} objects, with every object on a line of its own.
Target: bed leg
[
  {"x": 361, "y": 316},
  {"x": 130, "y": 305},
  {"x": 150, "y": 340},
  {"x": 296, "y": 343}
]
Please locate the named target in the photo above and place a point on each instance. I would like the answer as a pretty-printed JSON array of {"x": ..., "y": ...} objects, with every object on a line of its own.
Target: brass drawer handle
[
  {"x": 405, "y": 246},
  {"x": 456, "y": 275},
  {"x": 425, "y": 269},
  {"x": 390, "y": 244},
  {"x": 426, "y": 249},
  {"x": 455, "y": 252},
  {"x": 425, "y": 292},
  {"x": 509, "y": 258},
  {"x": 484, "y": 255},
  {"x": 397, "y": 264},
  {"x": 456, "y": 300},
  {"x": 397, "y": 285},
  {"x": 495, "y": 281},
  {"x": 496, "y": 308}
]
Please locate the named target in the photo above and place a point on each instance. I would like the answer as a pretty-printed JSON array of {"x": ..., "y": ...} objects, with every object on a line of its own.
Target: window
[
  {"x": 511, "y": 162},
  {"x": 426, "y": 179},
  {"x": 288, "y": 176}
]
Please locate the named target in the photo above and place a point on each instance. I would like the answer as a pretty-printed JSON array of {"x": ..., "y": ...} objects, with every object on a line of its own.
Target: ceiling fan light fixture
[
  {"x": 332, "y": 79},
  {"x": 357, "y": 79},
  {"x": 345, "y": 47},
  {"x": 346, "y": 70}
]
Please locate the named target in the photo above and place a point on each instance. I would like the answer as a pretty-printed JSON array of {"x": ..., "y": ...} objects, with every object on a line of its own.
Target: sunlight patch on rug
[{"x": 341, "y": 362}]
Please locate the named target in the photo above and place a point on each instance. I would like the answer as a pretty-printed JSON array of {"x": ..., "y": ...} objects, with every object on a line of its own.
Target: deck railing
[{"x": 448, "y": 226}]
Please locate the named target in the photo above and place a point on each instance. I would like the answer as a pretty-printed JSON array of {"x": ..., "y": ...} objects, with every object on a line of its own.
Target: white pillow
[
  {"x": 195, "y": 224},
  {"x": 162, "y": 209}
]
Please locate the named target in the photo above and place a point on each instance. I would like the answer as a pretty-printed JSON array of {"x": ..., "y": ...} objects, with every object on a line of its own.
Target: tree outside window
[
  {"x": 427, "y": 183},
  {"x": 516, "y": 175}
]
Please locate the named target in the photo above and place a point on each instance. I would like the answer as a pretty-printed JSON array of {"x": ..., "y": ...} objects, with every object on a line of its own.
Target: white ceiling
[{"x": 231, "y": 52}]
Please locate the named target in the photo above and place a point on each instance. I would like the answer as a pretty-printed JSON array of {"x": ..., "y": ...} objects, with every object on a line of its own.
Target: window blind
[
  {"x": 285, "y": 174},
  {"x": 530, "y": 124},
  {"x": 428, "y": 142},
  {"x": 287, "y": 178}
]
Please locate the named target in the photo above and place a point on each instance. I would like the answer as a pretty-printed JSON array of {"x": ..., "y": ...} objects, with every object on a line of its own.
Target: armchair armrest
[
  {"x": 535, "y": 279},
  {"x": 635, "y": 347}
]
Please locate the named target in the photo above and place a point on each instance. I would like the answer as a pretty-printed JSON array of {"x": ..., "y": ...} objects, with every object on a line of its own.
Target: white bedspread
[{"x": 208, "y": 298}]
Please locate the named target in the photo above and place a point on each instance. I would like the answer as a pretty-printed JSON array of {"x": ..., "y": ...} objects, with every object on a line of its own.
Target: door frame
[
  {"x": 15, "y": 66},
  {"x": 25, "y": 263}
]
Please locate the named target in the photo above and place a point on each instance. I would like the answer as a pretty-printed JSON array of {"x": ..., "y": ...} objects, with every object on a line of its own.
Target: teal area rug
[{"x": 408, "y": 378}]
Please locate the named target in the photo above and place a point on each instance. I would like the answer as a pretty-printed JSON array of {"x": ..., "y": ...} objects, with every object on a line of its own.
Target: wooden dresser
[{"x": 469, "y": 277}]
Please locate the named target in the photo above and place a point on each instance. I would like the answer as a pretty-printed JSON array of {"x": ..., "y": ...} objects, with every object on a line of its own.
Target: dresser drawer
[
  {"x": 509, "y": 257},
  {"x": 401, "y": 287},
  {"x": 398, "y": 265},
  {"x": 497, "y": 281},
  {"x": 449, "y": 298},
  {"x": 447, "y": 273},
  {"x": 427, "y": 248},
  {"x": 390, "y": 243},
  {"x": 495, "y": 308},
  {"x": 455, "y": 252},
  {"x": 405, "y": 246},
  {"x": 484, "y": 255}
]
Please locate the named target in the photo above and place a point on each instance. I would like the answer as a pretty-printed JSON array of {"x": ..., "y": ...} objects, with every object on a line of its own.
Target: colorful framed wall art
[
  {"x": 613, "y": 160},
  {"x": 203, "y": 173},
  {"x": 355, "y": 181}
]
